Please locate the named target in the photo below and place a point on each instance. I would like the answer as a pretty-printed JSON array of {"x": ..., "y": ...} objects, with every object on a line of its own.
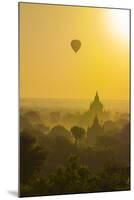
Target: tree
[
  {"x": 74, "y": 177},
  {"x": 31, "y": 156},
  {"x": 59, "y": 130},
  {"x": 78, "y": 133},
  {"x": 71, "y": 178},
  {"x": 114, "y": 178}
]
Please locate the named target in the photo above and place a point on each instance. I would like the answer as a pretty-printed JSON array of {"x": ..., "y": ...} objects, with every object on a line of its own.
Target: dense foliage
[{"x": 60, "y": 161}]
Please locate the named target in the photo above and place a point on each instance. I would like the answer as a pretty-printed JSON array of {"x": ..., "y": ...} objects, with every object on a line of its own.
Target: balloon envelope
[{"x": 75, "y": 44}]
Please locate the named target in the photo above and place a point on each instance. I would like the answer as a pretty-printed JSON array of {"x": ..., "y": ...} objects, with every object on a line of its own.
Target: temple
[
  {"x": 96, "y": 107},
  {"x": 96, "y": 112},
  {"x": 93, "y": 132}
]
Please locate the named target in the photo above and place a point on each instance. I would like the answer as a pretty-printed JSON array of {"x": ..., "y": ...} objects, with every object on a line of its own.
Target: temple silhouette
[
  {"x": 96, "y": 130},
  {"x": 96, "y": 109}
]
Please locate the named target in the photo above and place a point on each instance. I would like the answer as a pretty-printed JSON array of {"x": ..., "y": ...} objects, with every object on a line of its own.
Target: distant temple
[
  {"x": 96, "y": 107},
  {"x": 96, "y": 113},
  {"x": 94, "y": 131}
]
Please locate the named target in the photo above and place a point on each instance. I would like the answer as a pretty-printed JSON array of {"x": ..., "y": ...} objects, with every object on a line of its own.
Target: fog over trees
[{"x": 64, "y": 151}]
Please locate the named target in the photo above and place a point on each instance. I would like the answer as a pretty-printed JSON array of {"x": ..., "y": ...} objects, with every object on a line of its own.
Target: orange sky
[{"x": 49, "y": 68}]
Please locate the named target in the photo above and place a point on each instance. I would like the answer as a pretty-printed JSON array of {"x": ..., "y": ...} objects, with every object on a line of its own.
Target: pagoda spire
[
  {"x": 96, "y": 98},
  {"x": 96, "y": 106}
]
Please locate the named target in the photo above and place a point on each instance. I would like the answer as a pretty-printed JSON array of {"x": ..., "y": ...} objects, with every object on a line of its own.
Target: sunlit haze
[{"x": 49, "y": 68}]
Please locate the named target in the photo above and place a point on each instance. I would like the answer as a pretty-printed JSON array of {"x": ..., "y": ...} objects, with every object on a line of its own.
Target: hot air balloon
[{"x": 75, "y": 44}]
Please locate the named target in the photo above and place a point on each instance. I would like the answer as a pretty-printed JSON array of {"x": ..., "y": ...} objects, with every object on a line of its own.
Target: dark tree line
[{"x": 57, "y": 163}]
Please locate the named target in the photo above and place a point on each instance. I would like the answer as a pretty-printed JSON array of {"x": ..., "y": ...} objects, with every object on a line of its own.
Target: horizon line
[{"x": 67, "y": 98}]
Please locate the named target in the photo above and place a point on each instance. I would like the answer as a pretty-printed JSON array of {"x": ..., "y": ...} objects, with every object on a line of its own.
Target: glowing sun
[{"x": 119, "y": 22}]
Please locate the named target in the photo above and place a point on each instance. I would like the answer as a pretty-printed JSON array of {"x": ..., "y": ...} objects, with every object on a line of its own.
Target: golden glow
[
  {"x": 49, "y": 68},
  {"x": 119, "y": 22}
]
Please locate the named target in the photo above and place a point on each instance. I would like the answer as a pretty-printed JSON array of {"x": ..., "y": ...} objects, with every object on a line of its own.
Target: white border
[{"x": 9, "y": 99}]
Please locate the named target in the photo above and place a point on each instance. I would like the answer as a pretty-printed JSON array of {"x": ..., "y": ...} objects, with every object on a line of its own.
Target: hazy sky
[{"x": 49, "y": 68}]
